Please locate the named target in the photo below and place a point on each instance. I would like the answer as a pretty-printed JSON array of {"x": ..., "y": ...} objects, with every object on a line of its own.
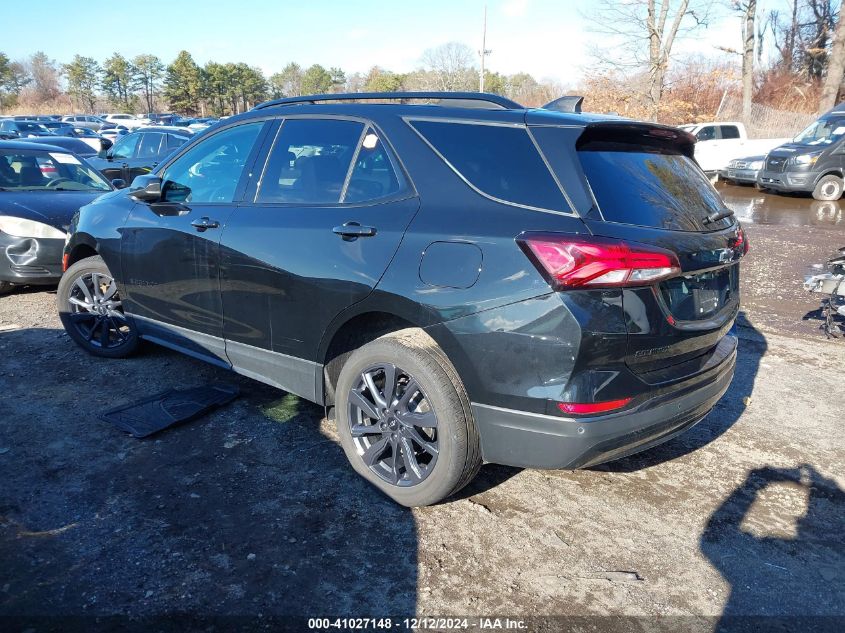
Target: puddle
[{"x": 754, "y": 207}]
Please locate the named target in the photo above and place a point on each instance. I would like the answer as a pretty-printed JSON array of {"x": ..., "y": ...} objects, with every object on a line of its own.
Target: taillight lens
[
  {"x": 740, "y": 242},
  {"x": 575, "y": 261}
]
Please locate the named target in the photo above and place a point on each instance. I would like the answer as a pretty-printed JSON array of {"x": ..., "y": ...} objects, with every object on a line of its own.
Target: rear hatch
[{"x": 646, "y": 189}]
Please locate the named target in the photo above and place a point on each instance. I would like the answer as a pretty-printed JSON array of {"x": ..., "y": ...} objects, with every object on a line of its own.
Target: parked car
[
  {"x": 33, "y": 117},
  {"x": 60, "y": 128},
  {"x": 719, "y": 142},
  {"x": 13, "y": 129},
  {"x": 129, "y": 121},
  {"x": 196, "y": 124},
  {"x": 813, "y": 162},
  {"x": 743, "y": 170},
  {"x": 165, "y": 118},
  {"x": 139, "y": 152},
  {"x": 41, "y": 187},
  {"x": 76, "y": 145},
  {"x": 88, "y": 120},
  {"x": 441, "y": 277},
  {"x": 113, "y": 133}
]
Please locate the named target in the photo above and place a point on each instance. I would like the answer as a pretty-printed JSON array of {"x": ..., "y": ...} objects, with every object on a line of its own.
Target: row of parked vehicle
[
  {"x": 93, "y": 128},
  {"x": 813, "y": 162}
]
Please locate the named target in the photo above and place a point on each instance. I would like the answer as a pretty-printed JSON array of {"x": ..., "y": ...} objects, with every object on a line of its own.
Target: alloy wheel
[
  {"x": 96, "y": 311},
  {"x": 393, "y": 425}
]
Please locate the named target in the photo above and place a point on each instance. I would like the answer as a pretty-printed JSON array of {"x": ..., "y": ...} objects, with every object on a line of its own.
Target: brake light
[
  {"x": 740, "y": 242},
  {"x": 592, "y": 407},
  {"x": 575, "y": 261}
]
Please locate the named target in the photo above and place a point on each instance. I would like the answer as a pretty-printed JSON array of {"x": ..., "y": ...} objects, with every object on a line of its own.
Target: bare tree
[
  {"x": 835, "y": 66},
  {"x": 641, "y": 35},
  {"x": 451, "y": 66},
  {"x": 749, "y": 11},
  {"x": 803, "y": 38}
]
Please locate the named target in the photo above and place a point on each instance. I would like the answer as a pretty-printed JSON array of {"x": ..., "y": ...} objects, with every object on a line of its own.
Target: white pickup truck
[{"x": 719, "y": 142}]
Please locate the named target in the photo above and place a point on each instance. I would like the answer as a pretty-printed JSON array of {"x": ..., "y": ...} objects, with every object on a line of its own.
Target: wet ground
[
  {"x": 791, "y": 238},
  {"x": 252, "y": 511},
  {"x": 797, "y": 210}
]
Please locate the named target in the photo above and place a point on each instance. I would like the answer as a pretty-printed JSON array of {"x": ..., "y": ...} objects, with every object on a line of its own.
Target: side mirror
[
  {"x": 106, "y": 144},
  {"x": 146, "y": 188},
  {"x": 118, "y": 183}
]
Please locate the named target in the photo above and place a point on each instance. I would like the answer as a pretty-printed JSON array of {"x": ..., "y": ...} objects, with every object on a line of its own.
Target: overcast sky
[{"x": 547, "y": 38}]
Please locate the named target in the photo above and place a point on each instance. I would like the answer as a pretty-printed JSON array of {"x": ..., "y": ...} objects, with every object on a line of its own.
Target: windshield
[
  {"x": 822, "y": 132},
  {"x": 32, "y": 170}
]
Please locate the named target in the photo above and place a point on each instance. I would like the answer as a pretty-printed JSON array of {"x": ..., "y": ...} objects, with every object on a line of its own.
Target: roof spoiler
[
  {"x": 611, "y": 135},
  {"x": 568, "y": 103}
]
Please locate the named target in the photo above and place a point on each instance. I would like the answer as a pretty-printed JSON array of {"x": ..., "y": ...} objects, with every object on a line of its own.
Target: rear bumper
[
  {"x": 788, "y": 181},
  {"x": 29, "y": 260},
  {"x": 518, "y": 438}
]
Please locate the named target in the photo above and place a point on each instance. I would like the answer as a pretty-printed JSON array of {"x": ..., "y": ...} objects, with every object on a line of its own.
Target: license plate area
[{"x": 702, "y": 296}]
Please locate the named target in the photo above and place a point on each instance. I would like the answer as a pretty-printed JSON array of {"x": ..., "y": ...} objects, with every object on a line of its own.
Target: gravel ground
[{"x": 253, "y": 512}]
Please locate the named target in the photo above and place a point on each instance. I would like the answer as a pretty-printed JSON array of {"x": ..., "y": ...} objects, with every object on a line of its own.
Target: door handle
[
  {"x": 353, "y": 230},
  {"x": 203, "y": 224}
]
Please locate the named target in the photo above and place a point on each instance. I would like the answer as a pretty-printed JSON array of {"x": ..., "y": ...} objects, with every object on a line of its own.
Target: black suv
[{"x": 458, "y": 281}]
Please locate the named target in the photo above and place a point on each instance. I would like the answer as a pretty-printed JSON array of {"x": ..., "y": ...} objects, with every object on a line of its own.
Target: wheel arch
[
  {"x": 352, "y": 330},
  {"x": 82, "y": 246},
  {"x": 829, "y": 172}
]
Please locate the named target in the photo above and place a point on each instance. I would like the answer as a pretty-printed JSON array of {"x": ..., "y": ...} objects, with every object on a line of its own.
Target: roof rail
[
  {"x": 469, "y": 99},
  {"x": 569, "y": 103}
]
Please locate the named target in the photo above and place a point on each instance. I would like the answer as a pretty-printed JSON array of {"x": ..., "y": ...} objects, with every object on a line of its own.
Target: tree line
[{"x": 145, "y": 83}]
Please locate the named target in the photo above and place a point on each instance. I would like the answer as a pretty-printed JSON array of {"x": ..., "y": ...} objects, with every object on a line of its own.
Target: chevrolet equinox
[{"x": 457, "y": 278}]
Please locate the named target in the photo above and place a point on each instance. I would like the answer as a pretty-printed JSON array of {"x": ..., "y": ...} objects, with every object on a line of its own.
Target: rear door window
[
  {"x": 150, "y": 145},
  {"x": 729, "y": 131},
  {"x": 174, "y": 141},
  {"x": 499, "y": 161},
  {"x": 373, "y": 176},
  {"x": 309, "y": 161}
]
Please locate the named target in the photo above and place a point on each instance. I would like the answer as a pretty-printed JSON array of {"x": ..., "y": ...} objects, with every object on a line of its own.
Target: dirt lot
[{"x": 252, "y": 510}]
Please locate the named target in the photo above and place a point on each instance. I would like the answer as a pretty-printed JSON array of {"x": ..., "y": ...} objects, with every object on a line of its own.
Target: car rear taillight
[
  {"x": 577, "y": 261},
  {"x": 584, "y": 408},
  {"x": 740, "y": 242}
]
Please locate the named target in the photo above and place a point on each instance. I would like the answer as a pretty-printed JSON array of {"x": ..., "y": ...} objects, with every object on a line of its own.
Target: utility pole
[{"x": 484, "y": 52}]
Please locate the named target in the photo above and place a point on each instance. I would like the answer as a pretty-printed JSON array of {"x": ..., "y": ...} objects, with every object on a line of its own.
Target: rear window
[
  {"x": 500, "y": 161},
  {"x": 729, "y": 131},
  {"x": 651, "y": 188}
]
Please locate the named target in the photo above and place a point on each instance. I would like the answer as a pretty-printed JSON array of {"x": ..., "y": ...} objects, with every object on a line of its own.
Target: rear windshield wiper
[{"x": 715, "y": 217}]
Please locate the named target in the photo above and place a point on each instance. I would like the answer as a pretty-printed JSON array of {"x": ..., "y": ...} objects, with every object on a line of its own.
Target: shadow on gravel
[
  {"x": 752, "y": 346},
  {"x": 797, "y": 572},
  {"x": 251, "y": 510}
]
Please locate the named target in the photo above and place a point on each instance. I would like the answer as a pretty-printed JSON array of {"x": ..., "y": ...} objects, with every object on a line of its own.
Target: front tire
[
  {"x": 5, "y": 287},
  {"x": 404, "y": 419},
  {"x": 828, "y": 188},
  {"x": 92, "y": 312}
]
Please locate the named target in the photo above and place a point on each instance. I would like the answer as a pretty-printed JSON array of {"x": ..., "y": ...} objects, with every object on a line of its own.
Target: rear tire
[
  {"x": 92, "y": 312},
  {"x": 829, "y": 188},
  {"x": 388, "y": 440}
]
